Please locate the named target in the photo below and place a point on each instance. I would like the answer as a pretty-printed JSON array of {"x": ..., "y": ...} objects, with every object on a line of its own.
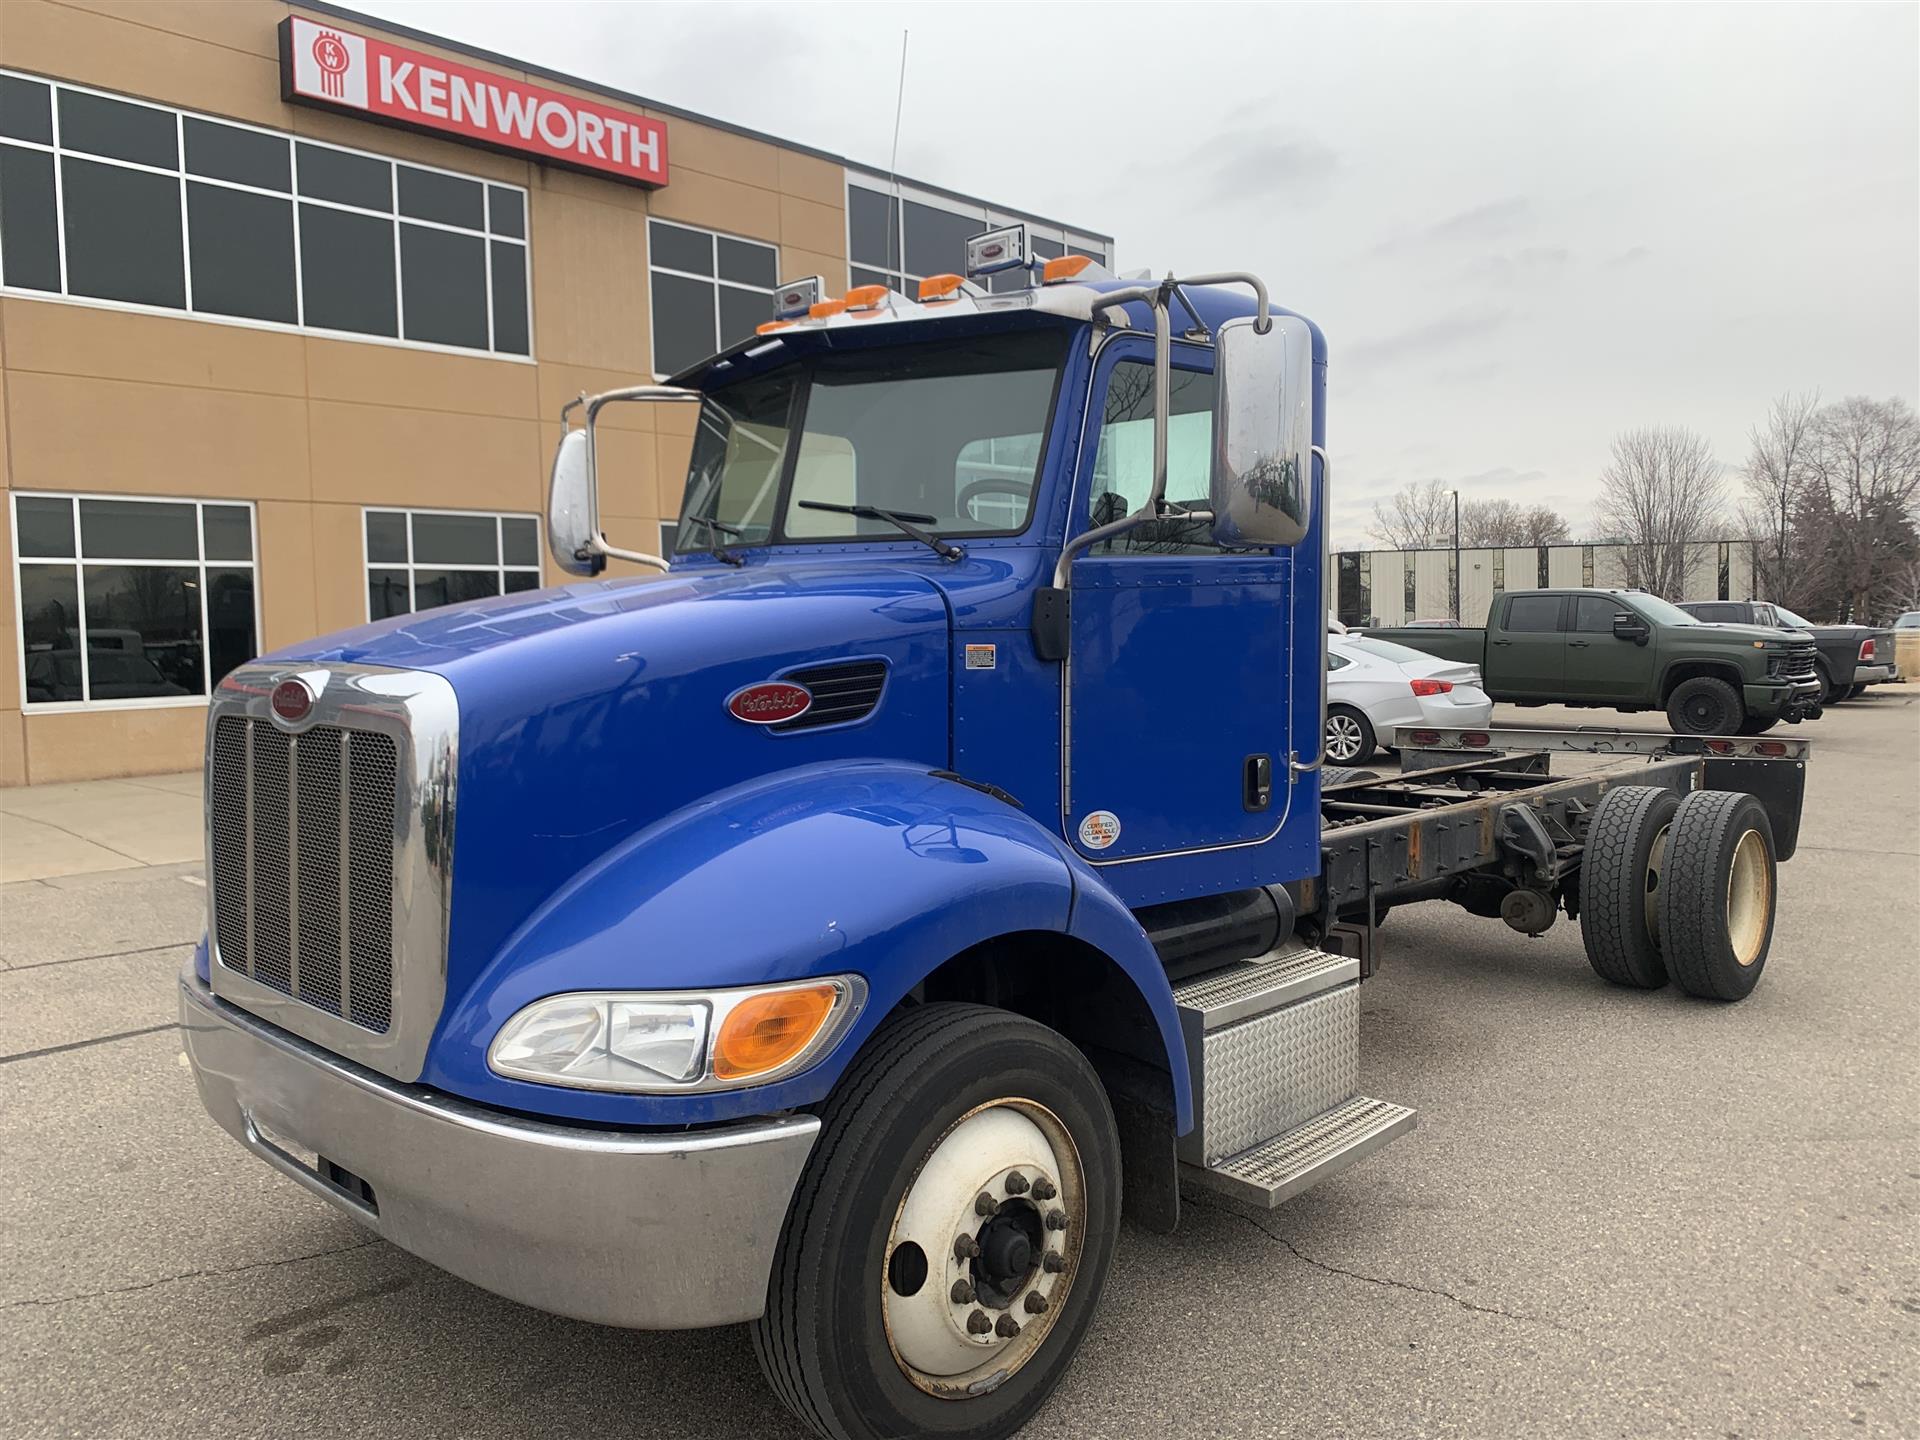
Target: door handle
[
  {"x": 1256, "y": 785},
  {"x": 1503, "y": 642},
  {"x": 1578, "y": 644}
]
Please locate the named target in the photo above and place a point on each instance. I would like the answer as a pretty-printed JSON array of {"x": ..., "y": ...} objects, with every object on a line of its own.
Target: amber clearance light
[{"x": 766, "y": 1031}]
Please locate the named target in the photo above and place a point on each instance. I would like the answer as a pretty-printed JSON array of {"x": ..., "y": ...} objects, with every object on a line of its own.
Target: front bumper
[
  {"x": 658, "y": 1231},
  {"x": 1789, "y": 700}
]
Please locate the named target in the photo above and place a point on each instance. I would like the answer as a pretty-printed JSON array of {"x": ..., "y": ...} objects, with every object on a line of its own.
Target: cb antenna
[{"x": 893, "y": 166}]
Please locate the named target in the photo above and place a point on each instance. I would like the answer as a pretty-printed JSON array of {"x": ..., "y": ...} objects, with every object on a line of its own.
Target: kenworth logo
[{"x": 326, "y": 65}]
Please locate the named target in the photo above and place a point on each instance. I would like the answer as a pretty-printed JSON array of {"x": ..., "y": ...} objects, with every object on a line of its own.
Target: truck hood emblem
[
  {"x": 292, "y": 700},
  {"x": 769, "y": 702}
]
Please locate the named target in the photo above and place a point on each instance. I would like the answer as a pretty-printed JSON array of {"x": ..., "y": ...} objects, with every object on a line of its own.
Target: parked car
[
  {"x": 1442, "y": 624},
  {"x": 1849, "y": 657},
  {"x": 114, "y": 675},
  {"x": 1374, "y": 685},
  {"x": 1632, "y": 651},
  {"x": 1909, "y": 621}
]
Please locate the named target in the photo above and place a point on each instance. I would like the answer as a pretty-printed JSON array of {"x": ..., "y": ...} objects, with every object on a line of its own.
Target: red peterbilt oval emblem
[
  {"x": 770, "y": 702},
  {"x": 292, "y": 700}
]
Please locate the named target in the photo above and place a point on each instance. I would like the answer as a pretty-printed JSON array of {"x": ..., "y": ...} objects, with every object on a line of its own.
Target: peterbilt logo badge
[
  {"x": 770, "y": 702},
  {"x": 292, "y": 700}
]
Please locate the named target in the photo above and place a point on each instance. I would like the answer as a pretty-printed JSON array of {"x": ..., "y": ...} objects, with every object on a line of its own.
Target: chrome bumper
[
  {"x": 1871, "y": 674},
  {"x": 650, "y": 1230}
]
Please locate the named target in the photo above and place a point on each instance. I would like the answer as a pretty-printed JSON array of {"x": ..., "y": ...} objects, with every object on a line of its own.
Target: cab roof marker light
[
  {"x": 1064, "y": 268},
  {"x": 792, "y": 300},
  {"x": 942, "y": 289},
  {"x": 773, "y": 325},
  {"x": 997, "y": 250},
  {"x": 864, "y": 297},
  {"x": 826, "y": 309}
]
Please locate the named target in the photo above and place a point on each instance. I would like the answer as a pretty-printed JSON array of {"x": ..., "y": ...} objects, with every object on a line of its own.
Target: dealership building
[{"x": 290, "y": 301}]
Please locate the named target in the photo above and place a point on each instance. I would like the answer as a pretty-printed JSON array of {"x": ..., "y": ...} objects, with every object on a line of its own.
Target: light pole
[{"x": 1456, "y": 557}]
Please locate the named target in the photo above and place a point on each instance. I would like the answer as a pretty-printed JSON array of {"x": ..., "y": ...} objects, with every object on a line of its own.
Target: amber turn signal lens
[
  {"x": 865, "y": 297},
  {"x": 766, "y": 1031},
  {"x": 1064, "y": 267},
  {"x": 936, "y": 287},
  {"x": 822, "y": 309}
]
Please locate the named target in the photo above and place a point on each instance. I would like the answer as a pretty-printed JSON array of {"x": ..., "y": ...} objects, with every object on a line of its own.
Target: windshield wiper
[
  {"x": 902, "y": 520},
  {"x": 717, "y": 528}
]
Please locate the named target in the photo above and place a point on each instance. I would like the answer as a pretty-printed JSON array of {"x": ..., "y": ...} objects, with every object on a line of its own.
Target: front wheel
[
  {"x": 1349, "y": 735},
  {"x": 1705, "y": 706},
  {"x": 947, "y": 1244},
  {"x": 1754, "y": 725}
]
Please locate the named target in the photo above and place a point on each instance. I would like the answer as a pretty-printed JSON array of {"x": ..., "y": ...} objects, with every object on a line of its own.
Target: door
[
  {"x": 1177, "y": 684},
  {"x": 1527, "y": 654},
  {"x": 1600, "y": 665}
]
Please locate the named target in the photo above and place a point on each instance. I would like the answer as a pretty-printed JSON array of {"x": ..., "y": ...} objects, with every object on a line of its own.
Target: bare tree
[
  {"x": 1659, "y": 494},
  {"x": 1503, "y": 522},
  {"x": 1778, "y": 470},
  {"x": 1864, "y": 491},
  {"x": 1419, "y": 516},
  {"x": 1544, "y": 525}
]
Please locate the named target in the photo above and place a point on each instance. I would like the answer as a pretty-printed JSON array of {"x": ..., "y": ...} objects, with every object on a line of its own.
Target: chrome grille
[{"x": 292, "y": 816}]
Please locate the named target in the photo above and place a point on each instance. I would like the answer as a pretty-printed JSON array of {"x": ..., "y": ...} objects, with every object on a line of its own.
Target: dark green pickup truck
[{"x": 1627, "y": 650}]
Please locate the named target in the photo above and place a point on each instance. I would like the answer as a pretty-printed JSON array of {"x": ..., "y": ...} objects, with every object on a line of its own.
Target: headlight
[{"x": 678, "y": 1041}]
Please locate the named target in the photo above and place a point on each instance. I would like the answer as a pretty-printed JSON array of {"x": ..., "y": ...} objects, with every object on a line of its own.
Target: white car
[{"x": 1374, "y": 685}]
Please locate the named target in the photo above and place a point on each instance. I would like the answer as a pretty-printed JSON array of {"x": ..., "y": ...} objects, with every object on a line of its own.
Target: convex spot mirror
[
  {"x": 571, "y": 528},
  {"x": 1262, "y": 484}
]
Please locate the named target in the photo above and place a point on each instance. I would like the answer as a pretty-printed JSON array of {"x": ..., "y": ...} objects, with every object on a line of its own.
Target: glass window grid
[
  {"x": 80, "y": 559},
  {"x": 714, "y": 237},
  {"x": 889, "y": 268},
  {"x": 410, "y": 565},
  {"x": 295, "y": 199}
]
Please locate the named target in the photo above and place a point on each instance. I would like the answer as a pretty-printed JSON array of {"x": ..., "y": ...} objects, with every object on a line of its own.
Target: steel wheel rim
[
  {"x": 1749, "y": 898},
  {"x": 1656, "y": 861},
  {"x": 1015, "y": 1152},
  {"x": 1343, "y": 737}
]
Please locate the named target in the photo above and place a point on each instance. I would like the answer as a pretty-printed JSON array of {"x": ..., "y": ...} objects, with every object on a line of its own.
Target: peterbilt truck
[{"x": 839, "y": 934}]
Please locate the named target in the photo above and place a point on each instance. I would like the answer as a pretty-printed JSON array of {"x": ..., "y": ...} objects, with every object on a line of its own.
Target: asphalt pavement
[{"x": 1623, "y": 1214}]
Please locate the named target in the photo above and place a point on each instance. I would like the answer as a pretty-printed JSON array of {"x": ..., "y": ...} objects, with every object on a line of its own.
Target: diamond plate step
[
  {"x": 1253, "y": 987},
  {"x": 1277, "y": 1169}
]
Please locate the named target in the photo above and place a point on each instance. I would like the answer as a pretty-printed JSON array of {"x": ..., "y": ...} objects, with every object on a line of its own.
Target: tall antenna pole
[{"x": 893, "y": 164}]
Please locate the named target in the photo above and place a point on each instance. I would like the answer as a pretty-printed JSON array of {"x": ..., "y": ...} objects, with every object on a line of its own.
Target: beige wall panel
[
  {"x": 629, "y": 475},
  {"x": 286, "y": 582},
  {"x": 6, "y": 468},
  {"x": 382, "y": 455},
  {"x": 13, "y": 749},
  {"x": 120, "y": 345},
  {"x": 561, "y": 383},
  {"x": 245, "y": 27},
  {"x": 675, "y": 420},
  {"x": 102, "y": 743},
  {"x": 590, "y": 284},
  {"x": 670, "y": 461},
  {"x": 812, "y": 227},
  {"x": 138, "y": 60},
  {"x": 578, "y": 185},
  {"x": 795, "y": 262},
  {"x": 716, "y": 204},
  {"x": 420, "y": 379},
  {"x": 78, "y": 433},
  {"x": 339, "y": 573},
  {"x": 702, "y": 148},
  {"x": 810, "y": 178}
]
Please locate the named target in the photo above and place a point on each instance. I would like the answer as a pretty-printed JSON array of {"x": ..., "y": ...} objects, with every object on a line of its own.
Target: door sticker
[
  {"x": 982, "y": 657},
  {"x": 1099, "y": 830}
]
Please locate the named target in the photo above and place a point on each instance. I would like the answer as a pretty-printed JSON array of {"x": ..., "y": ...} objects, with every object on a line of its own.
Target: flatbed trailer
[{"x": 1477, "y": 817}]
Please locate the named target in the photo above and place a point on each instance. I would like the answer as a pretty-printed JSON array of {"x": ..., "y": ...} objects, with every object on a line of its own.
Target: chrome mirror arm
[{"x": 593, "y": 404}]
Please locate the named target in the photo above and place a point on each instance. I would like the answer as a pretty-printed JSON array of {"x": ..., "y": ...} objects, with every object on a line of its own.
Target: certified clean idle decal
[{"x": 1099, "y": 830}]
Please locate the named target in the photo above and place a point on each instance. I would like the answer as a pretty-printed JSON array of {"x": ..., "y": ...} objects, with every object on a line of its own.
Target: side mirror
[
  {"x": 1630, "y": 627},
  {"x": 571, "y": 526},
  {"x": 1262, "y": 484}
]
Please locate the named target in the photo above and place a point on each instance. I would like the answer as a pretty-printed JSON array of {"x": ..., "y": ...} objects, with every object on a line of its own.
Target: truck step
[
  {"x": 1277, "y": 1169},
  {"x": 1253, "y": 987}
]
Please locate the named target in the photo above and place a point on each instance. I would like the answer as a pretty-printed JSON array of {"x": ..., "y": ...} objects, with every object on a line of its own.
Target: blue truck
[{"x": 836, "y": 934}]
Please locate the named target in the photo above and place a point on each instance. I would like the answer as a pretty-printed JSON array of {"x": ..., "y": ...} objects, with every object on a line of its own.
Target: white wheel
[{"x": 983, "y": 1249}]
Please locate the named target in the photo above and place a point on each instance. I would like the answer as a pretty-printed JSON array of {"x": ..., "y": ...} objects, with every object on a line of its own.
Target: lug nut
[
  {"x": 962, "y": 1293},
  {"x": 1036, "y": 1303},
  {"x": 1016, "y": 1184},
  {"x": 1056, "y": 1219},
  {"x": 985, "y": 1204},
  {"x": 1054, "y": 1264},
  {"x": 1007, "y": 1328},
  {"x": 1043, "y": 1189},
  {"x": 978, "y": 1323},
  {"x": 965, "y": 1247}
]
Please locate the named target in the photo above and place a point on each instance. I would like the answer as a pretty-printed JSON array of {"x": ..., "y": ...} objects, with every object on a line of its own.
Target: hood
[
  {"x": 1756, "y": 632},
  {"x": 593, "y": 710}
]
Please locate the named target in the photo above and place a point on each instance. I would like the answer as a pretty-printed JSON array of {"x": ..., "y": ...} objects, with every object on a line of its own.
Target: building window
[
  {"x": 708, "y": 291},
  {"x": 131, "y": 602},
  {"x": 899, "y": 241},
  {"x": 124, "y": 203},
  {"x": 419, "y": 559}
]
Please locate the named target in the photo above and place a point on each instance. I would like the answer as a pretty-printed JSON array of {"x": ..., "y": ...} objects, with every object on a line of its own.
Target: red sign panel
[
  {"x": 341, "y": 69},
  {"x": 770, "y": 702}
]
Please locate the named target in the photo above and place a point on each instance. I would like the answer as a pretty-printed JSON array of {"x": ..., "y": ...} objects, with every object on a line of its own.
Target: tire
[
  {"x": 1754, "y": 725},
  {"x": 1342, "y": 774},
  {"x": 1854, "y": 692},
  {"x": 928, "y": 1079},
  {"x": 1620, "y": 879},
  {"x": 1349, "y": 735},
  {"x": 1705, "y": 706},
  {"x": 1718, "y": 895}
]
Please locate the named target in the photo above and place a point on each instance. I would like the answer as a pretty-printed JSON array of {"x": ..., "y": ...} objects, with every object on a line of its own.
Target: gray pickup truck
[
  {"x": 1849, "y": 657},
  {"x": 1627, "y": 650}
]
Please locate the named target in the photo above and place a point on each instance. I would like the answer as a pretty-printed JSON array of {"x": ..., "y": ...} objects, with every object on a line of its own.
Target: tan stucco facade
[{"x": 311, "y": 429}]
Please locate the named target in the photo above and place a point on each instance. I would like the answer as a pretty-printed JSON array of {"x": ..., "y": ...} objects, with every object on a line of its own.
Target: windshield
[
  {"x": 1791, "y": 620},
  {"x": 947, "y": 435},
  {"x": 1659, "y": 611}
]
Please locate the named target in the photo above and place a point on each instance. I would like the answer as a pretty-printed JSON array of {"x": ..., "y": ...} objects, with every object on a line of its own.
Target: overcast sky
[{"x": 1522, "y": 228}]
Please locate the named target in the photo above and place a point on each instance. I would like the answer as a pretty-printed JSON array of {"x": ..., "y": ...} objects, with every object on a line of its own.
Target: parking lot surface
[{"x": 1623, "y": 1214}]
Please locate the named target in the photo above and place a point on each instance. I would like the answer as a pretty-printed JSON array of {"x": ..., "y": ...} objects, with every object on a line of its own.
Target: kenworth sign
[{"x": 336, "y": 68}]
